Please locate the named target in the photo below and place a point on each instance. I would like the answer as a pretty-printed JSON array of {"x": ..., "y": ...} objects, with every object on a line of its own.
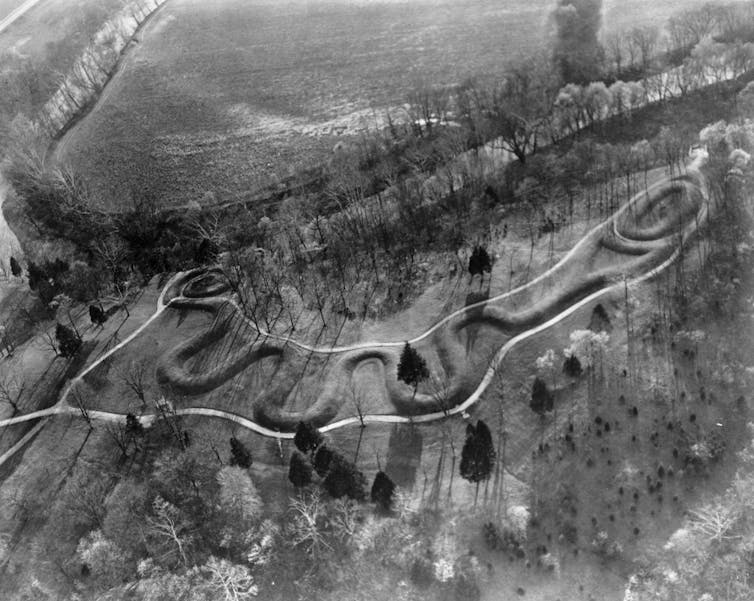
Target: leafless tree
[
  {"x": 47, "y": 340},
  {"x": 615, "y": 45},
  {"x": 208, "y": 227},
  {"x": 112, "y": 251},
  {"x": 134, "y": 375},
  {"x": 715, "y": 522},
  {"x": 11, "y": 390},
  {"x": 644, "y": 39},
  {"x": 440, "y": 387},
  {"x": 233, "y": 582},
  {"x": 345, "y": 518},
  {"x": 119, "y": 434},
  {"x": 167, "y": 413},
  {"x": 166, "y": 525},
  {"x": 85, "y": 493},
  {"x": 307, "y": 516},
  {"x": 81, "y": 402}
]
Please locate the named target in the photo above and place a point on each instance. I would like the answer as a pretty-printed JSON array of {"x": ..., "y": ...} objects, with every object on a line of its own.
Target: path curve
[
  {"x": 164, "y": 303},
  {"x": 17, "y": 13}
]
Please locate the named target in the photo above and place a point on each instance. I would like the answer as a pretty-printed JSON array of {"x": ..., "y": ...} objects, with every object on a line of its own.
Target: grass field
[{"x": 218, "y": 98}]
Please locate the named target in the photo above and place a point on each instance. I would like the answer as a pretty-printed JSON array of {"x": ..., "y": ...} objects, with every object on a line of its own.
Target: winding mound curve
[{"x": 645, "y": 234}]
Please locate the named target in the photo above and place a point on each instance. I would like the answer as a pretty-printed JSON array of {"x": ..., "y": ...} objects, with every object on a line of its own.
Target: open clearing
[
  {"x": 464, "y": 349},
  {"x": 217, "y": 99}
]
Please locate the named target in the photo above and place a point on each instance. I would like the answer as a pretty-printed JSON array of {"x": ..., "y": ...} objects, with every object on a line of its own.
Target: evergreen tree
[
  {"x": 68, "y": 341},
  {"x": 541, "y": 399},
  {"x": 322, "y": 459},
  {"x": 344, "y": 479},
  {"x": 35, "y": 274},
  {"x": 15, "y": 268},
  {"x": 478, "y": 454},
  {"x": 133, "y": 426},
  {"x": 46, "y": 291},
  {"x": 479, "y": 261},
  {"x": 383, "y": 490},
  {"x": 239, "y": 454},
  {"x": 600, "y": 321},
  {"x": 300, "y": 471},
  {"x": 307, "y": 437},
  {"x": 572, "y": 366},
  {"x": 97, "y": 315},
  {"x": 412, "y": 368}
]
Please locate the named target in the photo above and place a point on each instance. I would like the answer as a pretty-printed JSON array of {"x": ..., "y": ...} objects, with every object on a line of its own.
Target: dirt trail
[{"x": 16, "y": 14}]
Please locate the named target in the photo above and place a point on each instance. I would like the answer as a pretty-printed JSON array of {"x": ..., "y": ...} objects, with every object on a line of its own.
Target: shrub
[
  {"x": 307, "y": 437},
  {"x": 541, "y": 399}
]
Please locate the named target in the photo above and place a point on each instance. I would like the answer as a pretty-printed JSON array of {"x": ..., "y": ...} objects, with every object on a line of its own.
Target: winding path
[
  {"x": 17, "y": 13},
  {"x": 650, "y": 251}
]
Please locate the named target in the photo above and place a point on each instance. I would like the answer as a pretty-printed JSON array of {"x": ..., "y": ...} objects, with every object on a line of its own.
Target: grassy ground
[
  {"x": 50, "y": 37},
  {"x": 218, "y": 99},
  {"x": 420, "y": 458}
]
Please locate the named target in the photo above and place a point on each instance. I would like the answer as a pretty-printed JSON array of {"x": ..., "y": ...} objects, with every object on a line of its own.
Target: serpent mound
[
  {"x": 641, "y": 237},
  {"x": 210, "y": 283}
]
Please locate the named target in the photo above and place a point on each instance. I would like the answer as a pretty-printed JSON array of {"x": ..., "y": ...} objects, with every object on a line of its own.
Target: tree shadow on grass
[
  {"x": 475, "y": 314},
  {"x": 404, "y": 454}
]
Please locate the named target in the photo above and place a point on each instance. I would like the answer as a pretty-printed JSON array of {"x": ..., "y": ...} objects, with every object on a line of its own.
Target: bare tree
[
  {"x": 81, "y": 403},
  {"x": 357, "y": 399},
  {"x": 112, "y": 251},
  {"x": 644, "y": 41},
  {"x": 308, "y": 513},
  {"x": 167, "y": 414},
  {"x": 11, "y": 390},
  {"x": 167, "y": 526},
  {"x": 440, "y": 387},
  {"x": 119, "y": 434},
  {"x": 233, "y": 582},
  {"x": 715, "y": 522},
  {"x": 615, "y": 45},
  {"x": 135, "y": 376},
  {"x": 516, "y": 111}
]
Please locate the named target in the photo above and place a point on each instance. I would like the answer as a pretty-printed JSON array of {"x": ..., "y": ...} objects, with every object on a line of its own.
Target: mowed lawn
[{"x": 218, "y": 98}]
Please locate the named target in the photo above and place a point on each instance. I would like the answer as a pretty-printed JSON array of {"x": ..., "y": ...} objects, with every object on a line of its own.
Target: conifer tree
[
  {"x": 68, "y": 341},
  {"x": 322, "y": 459},
  {"x": 412, "y": 368},
  {"x": 15, "y": 268},
  {"x": 572, "y": 366},
  {"x": 97, "y": 315},
  {"x": 541, "y": 398},
  {"x": 478, "y": 454},
  {"x": 382, "y": 492},
  {"x": 300, "y": 471},
  {"x": 239, "y": 454},
  {"x": 479, "y": 261},
  {"x": 307, "y": 437},
  {"x": 344, "y": 479}
]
